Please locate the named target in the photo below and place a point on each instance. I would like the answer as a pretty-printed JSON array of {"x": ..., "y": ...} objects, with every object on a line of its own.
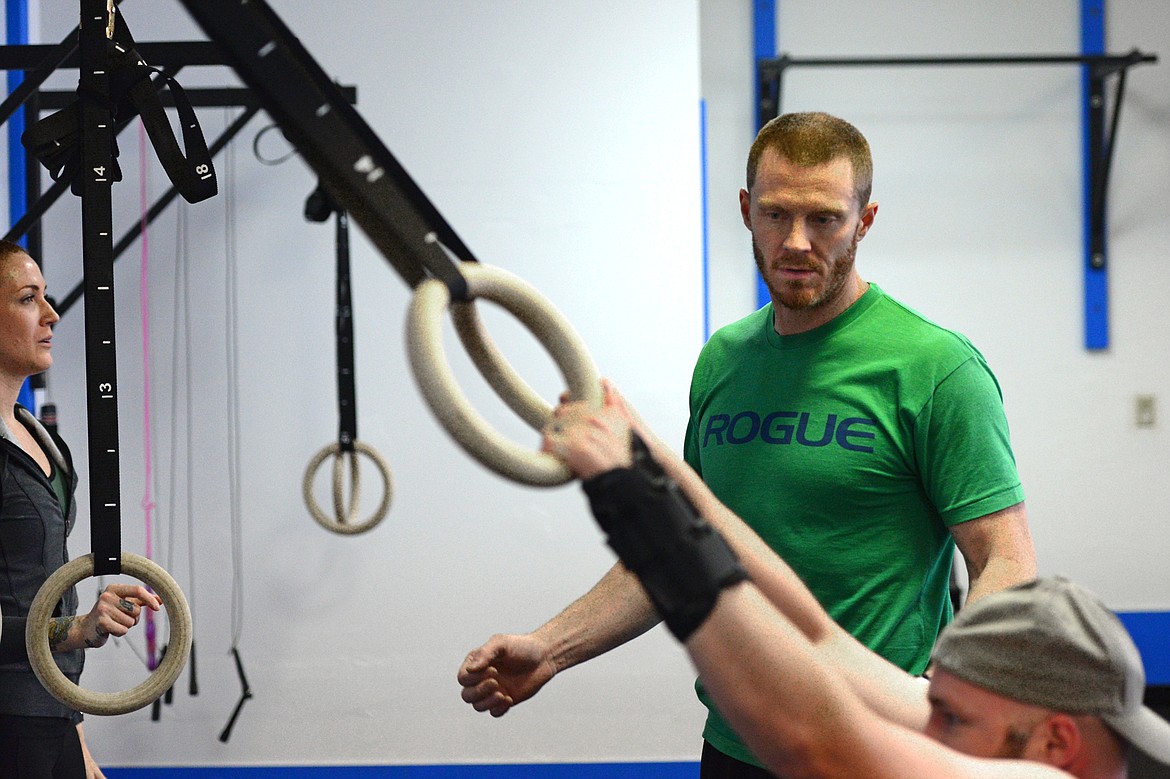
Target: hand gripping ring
[
  {"x": 437, "y": 382},
  {"x": 36, "y": 637},
  {"x": 342, "y": 520}
]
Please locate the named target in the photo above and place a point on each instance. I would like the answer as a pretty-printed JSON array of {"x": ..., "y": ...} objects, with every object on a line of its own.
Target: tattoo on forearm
[{"x": 59, "y": 631}]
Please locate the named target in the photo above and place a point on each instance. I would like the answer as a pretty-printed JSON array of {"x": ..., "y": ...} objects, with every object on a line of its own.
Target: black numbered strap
[
  {"x": 127, "y": 89},
  {"x": 97, "y": 146}
]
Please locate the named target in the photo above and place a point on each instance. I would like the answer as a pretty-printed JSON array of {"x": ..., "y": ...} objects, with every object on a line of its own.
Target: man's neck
[{"x": 789, "y": 321}]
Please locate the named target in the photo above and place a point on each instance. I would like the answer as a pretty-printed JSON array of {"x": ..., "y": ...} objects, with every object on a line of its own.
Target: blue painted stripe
[
  {"x": 16, "y": 33},
  {"x": 688, "y": 770},
  {"x": 705, "y": 204},
  {"x": 764, "y": 43},
  {"x": 16, "y": 24},
  {"x": 1151, "y": 633},
  {"x": 1096, "y": 279},
  {"x": 764, "y": 35}
]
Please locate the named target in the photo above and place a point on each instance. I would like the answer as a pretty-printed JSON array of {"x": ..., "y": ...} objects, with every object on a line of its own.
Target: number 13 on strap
[{"x": 107, "y": 557}]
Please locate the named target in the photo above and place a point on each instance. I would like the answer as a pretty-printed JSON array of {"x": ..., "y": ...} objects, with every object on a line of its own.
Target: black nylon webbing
[
  {"x": 346, "y": 380},
  {"x": 128, "y": 90},
  {"x": 97, "y": 145}
]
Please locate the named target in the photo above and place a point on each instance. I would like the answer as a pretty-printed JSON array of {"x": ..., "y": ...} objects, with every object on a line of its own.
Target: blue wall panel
[{"x": 1151, "y": 632}]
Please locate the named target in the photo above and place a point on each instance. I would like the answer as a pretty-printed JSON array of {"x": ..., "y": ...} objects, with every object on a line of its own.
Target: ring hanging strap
[
  {"x": 345, "y": 452},
  {"x": 101, "y": 392},
  {"x": 97, "y": 143},
  {"x": 346, "y": 381}
]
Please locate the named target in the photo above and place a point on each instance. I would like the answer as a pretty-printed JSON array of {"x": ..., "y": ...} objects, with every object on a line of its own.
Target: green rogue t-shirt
[{"x": 851, "y": 449}]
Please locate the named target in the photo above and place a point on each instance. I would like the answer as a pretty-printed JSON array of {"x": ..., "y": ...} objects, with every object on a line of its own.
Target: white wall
[
  {"x": 561, "y": 141},
  {"x": 978, "y": 173}
]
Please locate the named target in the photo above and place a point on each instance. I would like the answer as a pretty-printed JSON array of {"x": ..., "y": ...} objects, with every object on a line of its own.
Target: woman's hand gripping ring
[{"x": 106, "y": 703}]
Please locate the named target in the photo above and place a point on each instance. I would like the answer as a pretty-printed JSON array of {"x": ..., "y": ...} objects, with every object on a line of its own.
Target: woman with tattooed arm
[{"x": 39, "y": 736}]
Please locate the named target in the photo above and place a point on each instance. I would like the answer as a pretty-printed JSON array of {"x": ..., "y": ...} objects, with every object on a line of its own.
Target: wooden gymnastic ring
[
  {"x": 437, "y": 383},
  {"x": 36, "y": 637},
  {"x": 495, "y": 369},
  {"x": 342, "y": 521}
]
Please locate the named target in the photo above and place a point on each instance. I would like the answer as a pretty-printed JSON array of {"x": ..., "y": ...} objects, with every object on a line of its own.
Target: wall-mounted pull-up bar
[{"x": 1100, "y": 132}]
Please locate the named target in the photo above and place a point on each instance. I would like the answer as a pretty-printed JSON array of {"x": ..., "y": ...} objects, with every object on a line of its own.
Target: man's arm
[
  {"x": 801, "y": 719},
  {"x": 997, "y": 549},
  {"x": 780, "y": 689},
  {"x": 510, "y": 669},
  {"x": 601, "y": 442}
]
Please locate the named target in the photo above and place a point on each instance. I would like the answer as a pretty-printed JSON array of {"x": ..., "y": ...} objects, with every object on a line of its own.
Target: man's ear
[
  {"x": 745, "y": 208},
  {"x": 866, "y": 221},
  {"x": 1060, "y": 740}
]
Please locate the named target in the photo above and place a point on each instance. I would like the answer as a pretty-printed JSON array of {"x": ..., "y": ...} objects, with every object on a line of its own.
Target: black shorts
[{"x": 40, "y": 748}]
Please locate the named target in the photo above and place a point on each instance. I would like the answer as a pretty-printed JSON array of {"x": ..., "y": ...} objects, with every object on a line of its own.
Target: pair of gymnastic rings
[{"x": 437, "y": 384}]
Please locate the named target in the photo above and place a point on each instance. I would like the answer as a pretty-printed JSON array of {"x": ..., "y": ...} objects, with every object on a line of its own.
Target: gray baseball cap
[{"x": 1054, "y": 644}]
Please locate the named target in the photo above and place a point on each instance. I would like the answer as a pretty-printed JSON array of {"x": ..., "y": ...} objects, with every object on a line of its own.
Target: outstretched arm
[
  {"x": 798, "y": 715},
  {"x": 782, "y": 689},
  {"x": 591, "y": 443},
  {"x": 510, "y": 669}
]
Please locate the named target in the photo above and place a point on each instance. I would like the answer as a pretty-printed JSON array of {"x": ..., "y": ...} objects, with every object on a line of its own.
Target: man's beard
[{"x": 804, "y": 298}]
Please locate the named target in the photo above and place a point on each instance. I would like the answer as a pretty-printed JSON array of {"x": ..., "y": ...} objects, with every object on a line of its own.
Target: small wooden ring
[
  {"x": 107, "y": 703},
  {"x": 342, "y": 521}
]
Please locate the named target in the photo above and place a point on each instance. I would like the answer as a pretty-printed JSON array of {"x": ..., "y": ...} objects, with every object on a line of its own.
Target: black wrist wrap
[{"x": 682, "y": 562}]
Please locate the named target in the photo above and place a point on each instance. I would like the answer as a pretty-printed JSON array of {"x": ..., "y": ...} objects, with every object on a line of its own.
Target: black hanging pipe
[{"x": 34, "y": 78}]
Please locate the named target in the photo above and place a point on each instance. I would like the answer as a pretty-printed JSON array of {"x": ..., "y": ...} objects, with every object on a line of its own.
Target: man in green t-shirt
[
  {"x": 861, "y": 441},
  {"x": 1038, "y": 680}
]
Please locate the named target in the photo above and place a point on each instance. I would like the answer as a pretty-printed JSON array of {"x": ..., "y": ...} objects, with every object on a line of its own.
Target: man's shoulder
[{"x": 917, "y": 330}]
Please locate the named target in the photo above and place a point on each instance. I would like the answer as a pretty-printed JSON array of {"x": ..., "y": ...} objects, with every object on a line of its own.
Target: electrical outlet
[{"x": 1146, "y": 411}]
